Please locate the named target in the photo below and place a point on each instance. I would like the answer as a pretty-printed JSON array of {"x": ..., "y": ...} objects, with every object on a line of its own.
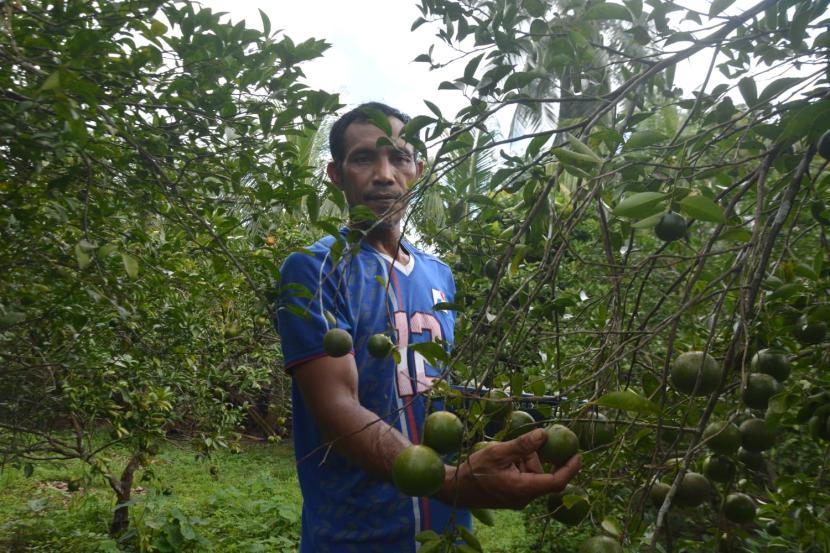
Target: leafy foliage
[
  {"x": 149, "y": 151},
  {"x": 565, "y": 290}
]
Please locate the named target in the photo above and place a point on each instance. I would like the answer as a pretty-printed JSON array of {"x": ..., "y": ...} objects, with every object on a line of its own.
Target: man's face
[{"x": 376, "y": 176}]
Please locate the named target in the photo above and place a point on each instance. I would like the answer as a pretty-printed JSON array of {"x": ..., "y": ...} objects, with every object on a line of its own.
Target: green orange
[
  {"x": 696, "y": 372},
  {"x": 379, "y": 345},
  {"x": 739, "y": 508},
  {"x": 594, "y": 433},
  {"x": 518, "y": 423},
  {"x": 759, "y": 389},
  {"x": 418, "y": 471},
  {"x": 561, "y": 444},
  {"x": 443, "y": 432},
  {"x": 694, "y": 489},
  {"x": 722, "y": 437},
  {"x": 719, "y": 468},
  {"x": 671, "y": 227},
  {"x": 337, "y": 342},
  {"x": 772, "y": 362},
  {"x": 756, "y": 436},
  {"x": 574, "y": 510}
]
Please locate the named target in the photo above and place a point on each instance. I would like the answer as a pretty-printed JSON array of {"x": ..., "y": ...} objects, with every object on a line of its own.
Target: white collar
[{"x": 405, "y": 269}]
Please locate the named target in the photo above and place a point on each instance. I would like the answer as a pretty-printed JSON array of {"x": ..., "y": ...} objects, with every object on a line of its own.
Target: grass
[{"x": 238, "y": 503}]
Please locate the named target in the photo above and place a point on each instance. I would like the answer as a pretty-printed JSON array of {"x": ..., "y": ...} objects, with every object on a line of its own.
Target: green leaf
[
  {"x": 574, "y": 159},
  {"x": 749, "y": 90},
  {"x": 612, "y": 526},
  {"x": 777, "y": 87},
  {"x": 718, "y": 6},
  {"x": 582, "y": 148},
  {"x": 627, "y": 400},
  {"x": 130, "y": 265},
  {"x": 643, "y": 139},
  {"x": 52, "y": 81},
  {"x": 157, "y": 28},
  {"x": 737, "y": 234},
  {"x": 650, "y": 221},
  {"x": 81, "y": 256},
  {"x": 266, "y": 23},
  {"x": 638, "y": 205},
  {"x": 378, "y": 119},
  {"x": 427, "y": 535},
  {"x": 786, "y": 291},
  {"x": 470, "y": 538},
  {"x": 608, "y": 11},
  {"x": 702, "y": 208},
  {"x": 432, "y": 351}
]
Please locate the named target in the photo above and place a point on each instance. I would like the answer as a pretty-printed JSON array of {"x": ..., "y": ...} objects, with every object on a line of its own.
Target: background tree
[
  {"x": 148, "y": 156},
  {"x": 638, "y": 221}
]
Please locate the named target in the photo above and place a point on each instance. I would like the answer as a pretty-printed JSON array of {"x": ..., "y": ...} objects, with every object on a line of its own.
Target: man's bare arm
[
  {"x": 506, "y": 474},
  {"x": 329, "y": 388}
]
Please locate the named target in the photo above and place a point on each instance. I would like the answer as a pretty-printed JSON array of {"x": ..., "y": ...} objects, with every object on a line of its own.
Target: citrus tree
[
  {"x": 654, "y": 258},
  {"x": 150, "y": 167}
]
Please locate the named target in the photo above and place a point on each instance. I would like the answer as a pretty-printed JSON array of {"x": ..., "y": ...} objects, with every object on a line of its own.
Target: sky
[{"x": 372, "y": 48}]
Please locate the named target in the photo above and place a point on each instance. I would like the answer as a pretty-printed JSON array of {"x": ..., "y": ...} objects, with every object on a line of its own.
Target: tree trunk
[{"x": 123, "y": 489}]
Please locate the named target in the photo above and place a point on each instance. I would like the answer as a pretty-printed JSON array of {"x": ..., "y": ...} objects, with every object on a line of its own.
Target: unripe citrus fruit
[
  {"x": 719, "y": 468},
  {"x": 756, "y": 436},
  {"x": 722, "y": 437},
  {"x": 694, "y": 490},
  {"x": 771, "y": 362},
  {"x": 578, "y": 509},
  {"x": 518, "y": 423},
  {"x": 810, "y": 332},
  {"x": 379, "y": 345},
  {"x": 561, "y": 445},
  {"x": 819, "y": 427},
  {"x": 671, "y": 227},
  {"x": 824, "y": 145},
  {"x": 496, "y": 404},
  {"x": 752, "y": 459},
  {"x": 418, "y": 471},
  {"x": 491, "y": 269},
  {"x": 692, "y": 366},
  {"x": 759, "y": 388},
  {"x": 443, "y": 432},
  {"x": 600, "y": 544},
  {"x": 659, "y": 491},
  {"x": 594, "y": 433},
  {"x": 337, "y": 342},
  {"x": 739, "y": 508}
]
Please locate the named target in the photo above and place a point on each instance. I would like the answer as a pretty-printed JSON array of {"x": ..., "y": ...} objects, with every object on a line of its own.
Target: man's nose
[{"x": 384, "y": 173}]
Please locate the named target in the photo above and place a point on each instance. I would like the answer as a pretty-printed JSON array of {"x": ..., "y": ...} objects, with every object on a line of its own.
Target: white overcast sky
[
  {"x": 371, "y": 52},
  {"x": 372, "y": 49}
]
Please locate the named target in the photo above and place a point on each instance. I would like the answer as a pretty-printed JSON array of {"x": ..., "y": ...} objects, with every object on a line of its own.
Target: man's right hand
[{"x": 506, "y": 475}]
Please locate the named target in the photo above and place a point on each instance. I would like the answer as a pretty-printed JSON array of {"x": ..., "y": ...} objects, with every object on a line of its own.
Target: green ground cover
[{"x": 233, "y": 502}]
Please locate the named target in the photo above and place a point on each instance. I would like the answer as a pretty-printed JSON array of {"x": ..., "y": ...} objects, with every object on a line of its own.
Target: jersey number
[{"x": 409, "y": 383}]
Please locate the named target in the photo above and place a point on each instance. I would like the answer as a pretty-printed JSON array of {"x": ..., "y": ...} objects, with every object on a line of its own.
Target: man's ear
[
  {"x": 419, "y": 168},
  {"x": 334, "y": 174}
]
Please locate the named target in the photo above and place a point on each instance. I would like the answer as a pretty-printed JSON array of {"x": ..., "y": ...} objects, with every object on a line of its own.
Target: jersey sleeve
[{"x": 307, "y": 291}]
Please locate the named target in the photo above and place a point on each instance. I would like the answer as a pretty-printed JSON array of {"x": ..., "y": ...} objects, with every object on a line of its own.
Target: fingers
[
  {"x": 531, "y": 485},
  {"x": 523, "y": 446}
]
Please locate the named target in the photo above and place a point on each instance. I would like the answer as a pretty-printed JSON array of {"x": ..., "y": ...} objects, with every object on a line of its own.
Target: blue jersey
[{"x": 344, "y": 508}]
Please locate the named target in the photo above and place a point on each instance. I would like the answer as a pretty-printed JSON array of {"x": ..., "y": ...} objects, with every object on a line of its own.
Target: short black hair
[{"x": 337, "y": 134}]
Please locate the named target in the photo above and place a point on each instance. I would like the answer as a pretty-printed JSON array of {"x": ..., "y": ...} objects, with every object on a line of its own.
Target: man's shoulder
[
  {"x": 313, "y": 255},
  {"x": 427, "y": 257}
]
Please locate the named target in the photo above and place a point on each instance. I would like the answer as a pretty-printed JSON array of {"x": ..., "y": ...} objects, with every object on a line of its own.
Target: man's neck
[{"x": 387, "y": 240}]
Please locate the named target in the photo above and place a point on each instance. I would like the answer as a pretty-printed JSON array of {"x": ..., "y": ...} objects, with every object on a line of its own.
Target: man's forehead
[{"x": 365, "y": 134}]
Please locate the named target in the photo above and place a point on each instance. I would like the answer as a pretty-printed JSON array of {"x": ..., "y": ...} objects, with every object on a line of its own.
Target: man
[{"x": 353, "y": 414}]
